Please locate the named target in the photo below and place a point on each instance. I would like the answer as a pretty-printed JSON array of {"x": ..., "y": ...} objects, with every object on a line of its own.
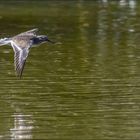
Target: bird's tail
[{"x": 4, "y": 41}]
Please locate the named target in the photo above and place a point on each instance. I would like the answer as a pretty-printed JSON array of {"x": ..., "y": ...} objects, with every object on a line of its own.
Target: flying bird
[{"x": 21, "y": 45}]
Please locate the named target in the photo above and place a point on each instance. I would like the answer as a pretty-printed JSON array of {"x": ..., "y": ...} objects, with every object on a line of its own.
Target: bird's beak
[{"x": 50, "y": 41}]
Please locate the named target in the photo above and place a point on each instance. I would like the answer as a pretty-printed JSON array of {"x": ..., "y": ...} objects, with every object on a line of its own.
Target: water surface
[{"x": 86, "y": 86}]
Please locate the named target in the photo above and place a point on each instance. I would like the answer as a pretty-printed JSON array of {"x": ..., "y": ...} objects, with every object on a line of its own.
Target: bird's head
[{"x": 44, "y": 38}]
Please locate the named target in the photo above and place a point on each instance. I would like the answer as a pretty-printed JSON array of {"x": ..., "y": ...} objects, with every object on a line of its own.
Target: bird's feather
[
  {"x": 4, "y": 41},
  {"x": 20, "y": 59},
  {"x": 30, "y": 32}
]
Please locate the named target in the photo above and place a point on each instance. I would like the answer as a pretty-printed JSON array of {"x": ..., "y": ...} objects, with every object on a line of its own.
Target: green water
[{"x": 84, "y": 87}]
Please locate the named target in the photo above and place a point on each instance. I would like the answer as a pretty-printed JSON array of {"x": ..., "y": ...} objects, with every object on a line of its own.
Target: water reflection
[{"x": 22, "y": 127}]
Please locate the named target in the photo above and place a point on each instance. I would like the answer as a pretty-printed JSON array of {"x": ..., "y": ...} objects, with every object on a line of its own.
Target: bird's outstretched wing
[
  {"x": 19, "y": 59},
  {"x": 30, "y": 32}
]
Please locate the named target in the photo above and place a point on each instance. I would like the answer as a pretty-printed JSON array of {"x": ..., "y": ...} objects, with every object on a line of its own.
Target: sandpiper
[{"x": 21, "y": 44}]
